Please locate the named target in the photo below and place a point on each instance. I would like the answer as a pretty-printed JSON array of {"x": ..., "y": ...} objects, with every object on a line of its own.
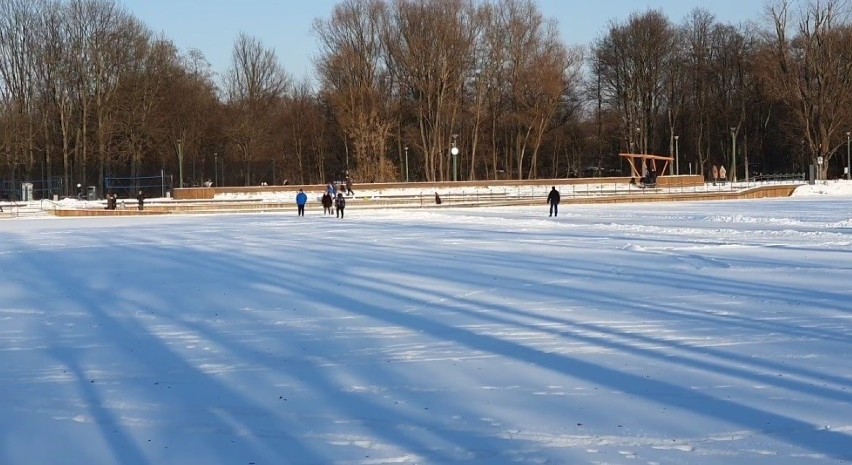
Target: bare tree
[
  {"x": 112, "y": 49},
  {"x": 633, "y": 62},
  {"x": 193, "y": 114},
  {"x": 141, "y": 101},
  {"x": 698, "y": 55},
  {"x": 301, "y": 114},
  {"x": 254, "y": 86},
  {"x": 356, "y": 83},
  {"x": 101, "y": 40},
  {"x": 255, "y": 75},
  {"x": 731, "y": 85},
  {"x": 430, "y": 45},
  {"x": 56, "y": 81},
  {"x": 811, "y": 72},
  {"x": 18, "y": 21},
  {"x": 538, "y": 74}
]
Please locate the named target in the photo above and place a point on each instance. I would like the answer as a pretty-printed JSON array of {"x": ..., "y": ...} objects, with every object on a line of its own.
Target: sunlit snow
[{"x": 661, "y": 333}]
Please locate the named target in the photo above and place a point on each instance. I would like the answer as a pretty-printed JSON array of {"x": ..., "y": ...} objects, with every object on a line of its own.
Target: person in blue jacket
[{"x": 301, "y": 200}]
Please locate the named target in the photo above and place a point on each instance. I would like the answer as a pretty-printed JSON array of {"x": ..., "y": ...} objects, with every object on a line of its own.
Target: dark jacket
[
  {"x": 553, "y": 197},
  {"x": 340, "y": 202},
  {"x": 327, "y": 201}
]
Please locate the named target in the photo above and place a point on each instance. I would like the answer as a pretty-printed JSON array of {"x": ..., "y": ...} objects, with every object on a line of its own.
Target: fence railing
[{"x": 578, "y": 191}]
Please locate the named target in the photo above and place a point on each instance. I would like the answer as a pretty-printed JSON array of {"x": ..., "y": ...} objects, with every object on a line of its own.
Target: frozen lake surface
[{"x": 673, "y": 333}]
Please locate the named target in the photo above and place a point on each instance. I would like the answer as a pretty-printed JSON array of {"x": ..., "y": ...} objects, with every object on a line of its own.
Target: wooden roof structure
[{"x": 646, "y": 160}]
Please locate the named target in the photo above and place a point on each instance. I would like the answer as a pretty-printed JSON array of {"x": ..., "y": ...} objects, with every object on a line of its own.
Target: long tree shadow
[
  {"x": 249, "y": 273},
  {"x": 826, "y": 442},
  {"x": 148, "y": 369},
  {"x": 391, "y": 425}
]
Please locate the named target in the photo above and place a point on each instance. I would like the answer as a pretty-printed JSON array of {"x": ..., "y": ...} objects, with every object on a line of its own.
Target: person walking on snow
[
  {"x": 301, "y": 200},
  {"x": 327, "y": 203},
  {"x": 340, "y": 203},
  {"x": 140, "y": 199},
  {"x": 553, "y": 200},
  {"x": 349, "y": 190}
]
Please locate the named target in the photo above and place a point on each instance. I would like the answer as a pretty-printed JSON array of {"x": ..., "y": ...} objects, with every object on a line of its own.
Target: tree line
[{"x": 423, "y": 90}]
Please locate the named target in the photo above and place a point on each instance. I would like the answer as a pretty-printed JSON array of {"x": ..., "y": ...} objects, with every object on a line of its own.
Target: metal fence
[
  {"x": 151, "y": 186},
  {"x": 514, "y": 194},
  {"x": 41, "y": 189}
]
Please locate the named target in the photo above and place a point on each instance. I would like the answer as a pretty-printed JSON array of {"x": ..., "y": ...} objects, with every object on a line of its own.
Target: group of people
[
  {"x": 334, "y": 188},
  {"x": 338, "y": 202},
  {"x": 648, "y": 180},
  {"x": 329, "y": 202},
  {"x": 112, "y": 201},
  {"x": 719, "y": 174}
]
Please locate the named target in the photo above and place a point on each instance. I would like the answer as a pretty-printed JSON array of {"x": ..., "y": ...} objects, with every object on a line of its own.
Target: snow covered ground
[{"x": 664, "y": 333}]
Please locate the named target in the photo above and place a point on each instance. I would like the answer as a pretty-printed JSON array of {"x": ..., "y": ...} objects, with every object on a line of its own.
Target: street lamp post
[
  {"x": 848, "y": 165},
  {"x": 734, "y": 154},
  {"x": 180, "y": 162},
  {"x": 455, "y": 153},
  {"x": 215, "y": 169},
  {"x": 677, "y": 156},
  {"x": 406, "y": 163}
]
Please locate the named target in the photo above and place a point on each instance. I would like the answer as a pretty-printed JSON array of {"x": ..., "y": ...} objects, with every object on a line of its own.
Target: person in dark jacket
[
  {"x": 301, "y": 200},
  {"x": 340, "y": 203},
  {"x": 111, "y": 201},
  {"x": 349, "y": 190},
  {"x": 140, "y": 199},
  {"x": 327, "y": 203},
  {"x": 553, "y": 200}
]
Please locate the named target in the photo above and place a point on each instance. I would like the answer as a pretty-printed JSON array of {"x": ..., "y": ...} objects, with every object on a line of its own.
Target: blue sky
[{"x": 285, "y": 25}]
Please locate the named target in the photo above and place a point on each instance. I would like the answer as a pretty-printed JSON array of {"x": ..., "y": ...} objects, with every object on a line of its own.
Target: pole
[
  {"x": 454, "y": 151},
  {"x": 677, "y": 156},
  {"x": 848, "y": 165},
  {"x": 734, "y": 154},
  {"x": 406, "y": 163},
  {"x": 215, "y": 169},
  {"x": 180, "y": 163}
]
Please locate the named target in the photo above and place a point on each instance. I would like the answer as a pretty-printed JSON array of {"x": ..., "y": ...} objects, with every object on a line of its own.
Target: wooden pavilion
[{"x": 645, "y": 163}]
